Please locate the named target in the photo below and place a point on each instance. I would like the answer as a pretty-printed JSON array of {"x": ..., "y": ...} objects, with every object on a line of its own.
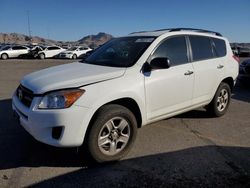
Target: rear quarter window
[{"x": 220, "y": 47}]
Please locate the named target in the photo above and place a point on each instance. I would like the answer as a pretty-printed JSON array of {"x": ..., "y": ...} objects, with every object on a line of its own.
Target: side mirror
[{"x": 160, "y": 63}]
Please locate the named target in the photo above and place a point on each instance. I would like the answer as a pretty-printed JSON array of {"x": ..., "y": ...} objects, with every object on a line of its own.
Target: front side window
[
  {"x": 201, "y": 48},
  {"x": 120, "y": 52},
  {"x": 175, "y": 49},
  {"x": 72, "y": 49}
]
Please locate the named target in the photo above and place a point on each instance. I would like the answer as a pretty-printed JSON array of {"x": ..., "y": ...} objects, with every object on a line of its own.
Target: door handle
[
  {"x": 220, "y": 66},
  {"x": 188, "y": 73}
]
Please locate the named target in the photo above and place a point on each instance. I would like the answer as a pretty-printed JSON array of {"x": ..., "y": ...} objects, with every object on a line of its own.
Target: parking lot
[{"x": 192, "y": 149}]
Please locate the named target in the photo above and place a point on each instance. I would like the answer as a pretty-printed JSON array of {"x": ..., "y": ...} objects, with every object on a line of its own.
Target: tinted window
[
  {"x": 19, "y": 48},
  {"x": 220, "y": 47},
  {"x": 53, "y": 48},
  {"x": 201, "y": 48},
  {"x": 174, "y": 49},
  {"x": 16, "y": 48},
  {"x": 6, "y": 48}
]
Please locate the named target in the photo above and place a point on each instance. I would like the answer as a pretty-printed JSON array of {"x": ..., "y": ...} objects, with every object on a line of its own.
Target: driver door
[{"x": 170, "y": 90}]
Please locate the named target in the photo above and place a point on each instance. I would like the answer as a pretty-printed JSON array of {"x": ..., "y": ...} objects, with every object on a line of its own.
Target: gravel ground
[{"x": 189, "y": 150}]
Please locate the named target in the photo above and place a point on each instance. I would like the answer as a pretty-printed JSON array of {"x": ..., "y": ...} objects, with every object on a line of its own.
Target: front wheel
[
  {"x": 221, "y": 100},
  {"x": 112, "y": 134},
  {"x": 74, "y": 56},
  {"x": 41, "y": 56}
]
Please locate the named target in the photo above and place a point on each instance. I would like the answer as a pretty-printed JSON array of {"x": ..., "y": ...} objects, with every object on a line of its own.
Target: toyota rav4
[{"x": 125, "y": 84}]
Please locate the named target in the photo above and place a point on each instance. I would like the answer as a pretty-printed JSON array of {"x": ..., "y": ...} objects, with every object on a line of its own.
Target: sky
[{"x": 73, "y": 19}]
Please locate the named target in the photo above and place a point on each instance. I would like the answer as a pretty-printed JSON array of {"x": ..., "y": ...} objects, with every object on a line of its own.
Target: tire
[
  {"x": 41, "y": 56},
  {"x": 74, "y": 56},
  {"x": 112, "y": 133},
  {"x": 220, "y": 103},
  {"x": 4, "y": 56}
]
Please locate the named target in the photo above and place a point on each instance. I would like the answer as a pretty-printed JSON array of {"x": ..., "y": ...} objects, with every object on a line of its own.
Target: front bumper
[{"x": 40, "y": 123}]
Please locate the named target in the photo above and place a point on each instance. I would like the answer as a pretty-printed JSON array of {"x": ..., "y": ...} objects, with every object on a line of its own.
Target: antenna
[{"x": 29, "y": 25}]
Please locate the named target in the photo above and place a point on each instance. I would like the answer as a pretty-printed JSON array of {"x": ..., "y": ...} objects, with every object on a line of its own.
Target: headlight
[{"x": 60, "y": 99}]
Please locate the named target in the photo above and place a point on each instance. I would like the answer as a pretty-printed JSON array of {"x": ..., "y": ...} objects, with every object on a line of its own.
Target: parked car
[
  {"x": 33, "y": 52},
  {"x": 235, "y": 50},
  {"x": 74, "y": 52},
  {"x": 244, "y": 51},
  {"x": 125, "y": 84},
  {"x": 244, "y": 72},
  {"x": 50, "y": 51},
  {"x": 13, "y": 51}
]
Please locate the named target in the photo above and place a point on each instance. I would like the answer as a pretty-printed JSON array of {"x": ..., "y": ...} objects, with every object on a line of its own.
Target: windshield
[
  {"x": 120, "y": 52},
  {"x": 72, "y": 49}
]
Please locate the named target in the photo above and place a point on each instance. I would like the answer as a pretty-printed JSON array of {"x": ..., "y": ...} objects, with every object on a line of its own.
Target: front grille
[{"x": 24, "y": 95}]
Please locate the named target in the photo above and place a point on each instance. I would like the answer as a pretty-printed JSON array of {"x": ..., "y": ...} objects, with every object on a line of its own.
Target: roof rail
[
  {"x": 182, "y": 29},
  {"x": 138, "y": 32},
  {"x": 196, "y": 30}
]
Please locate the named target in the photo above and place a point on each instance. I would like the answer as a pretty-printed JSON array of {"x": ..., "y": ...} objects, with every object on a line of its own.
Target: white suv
[{"x": 128, "y": 82}]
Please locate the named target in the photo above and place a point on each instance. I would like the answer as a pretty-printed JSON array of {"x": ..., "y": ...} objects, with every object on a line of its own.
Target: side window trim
[
  {"x": 189, "y": 49},
  {"x": 213, "y": 48}
]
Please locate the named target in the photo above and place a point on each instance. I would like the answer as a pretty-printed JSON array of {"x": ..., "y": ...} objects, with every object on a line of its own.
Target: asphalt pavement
[{"x": 189, "y": 150}]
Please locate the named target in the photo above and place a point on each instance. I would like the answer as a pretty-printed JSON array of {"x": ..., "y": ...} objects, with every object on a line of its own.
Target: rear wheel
[
  {"x": 221, "y": 100},
  {"x": 4, "y": 56},
  {"x": 112, "y": 134}
]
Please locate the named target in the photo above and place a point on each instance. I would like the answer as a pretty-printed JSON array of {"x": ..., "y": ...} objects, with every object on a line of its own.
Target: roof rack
[
  {"x": 182, "y": 29},
  {"x": 190, "y": 29},
  {"x": 138, "y": 32}
]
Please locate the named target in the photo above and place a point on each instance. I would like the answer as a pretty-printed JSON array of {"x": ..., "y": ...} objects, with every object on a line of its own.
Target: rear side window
[
  {"x": 18, "y": 48},
  {"x": 220, "y": 47},
  {"x": 175, "y": 49},
  {"x": 53, "y": 48},
  {"x": 201, "y": 48}
]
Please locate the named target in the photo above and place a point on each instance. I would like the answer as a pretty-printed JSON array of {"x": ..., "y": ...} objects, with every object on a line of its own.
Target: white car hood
[{"x": 69, "y": 76}]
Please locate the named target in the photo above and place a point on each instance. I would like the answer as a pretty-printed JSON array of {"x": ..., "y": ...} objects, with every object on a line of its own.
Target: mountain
[
  {"x": 95, "y": 40},
  {"x": 23, "y": 39},
  {"x": 90, "y": 40}
]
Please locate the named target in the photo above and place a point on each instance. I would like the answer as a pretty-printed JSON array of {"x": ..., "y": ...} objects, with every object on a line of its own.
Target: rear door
[
  {"x": 207, "y": 67},
  {"x": 170, "y": 90},
  {"x": 52, "y": 51},
  {"x": 14, "y": 52}
]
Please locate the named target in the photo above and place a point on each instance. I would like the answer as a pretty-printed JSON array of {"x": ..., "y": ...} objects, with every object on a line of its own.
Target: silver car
[{"x": 13, "y": 51}]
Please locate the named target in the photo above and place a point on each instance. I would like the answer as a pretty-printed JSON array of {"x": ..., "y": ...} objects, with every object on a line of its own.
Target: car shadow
[
  {"x": 241, "y": 92},
  {"x": 199, "y": 166},
  {"x": 193, "y": 167}
]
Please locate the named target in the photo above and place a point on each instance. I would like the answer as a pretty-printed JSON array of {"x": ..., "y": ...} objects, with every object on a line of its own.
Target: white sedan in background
[
  {"x": 74, "y": 52},
  {"x": 50, "y": 51},
  {"x": 13, "y": 51}
]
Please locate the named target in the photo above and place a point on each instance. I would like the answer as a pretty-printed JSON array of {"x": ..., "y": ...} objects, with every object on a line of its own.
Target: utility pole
[{"x": 29, "y": 26}]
